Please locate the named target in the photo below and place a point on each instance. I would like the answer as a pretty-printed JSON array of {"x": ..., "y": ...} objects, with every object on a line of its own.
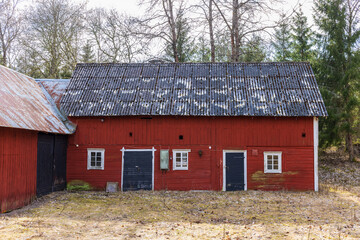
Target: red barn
[
  {"x": 201, "y": 126},
  {"x": 27, "y": 119}
]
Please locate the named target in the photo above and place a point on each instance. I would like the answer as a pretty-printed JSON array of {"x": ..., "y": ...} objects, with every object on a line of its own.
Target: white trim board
[
  {"x": 316, "y": 148},
  {"x": 224, "y": 167},
  {"x": 123, "y": 150}
]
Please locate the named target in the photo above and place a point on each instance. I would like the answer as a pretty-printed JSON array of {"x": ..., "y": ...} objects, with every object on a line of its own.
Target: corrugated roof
[
  {"x": 194, "y": 89},
  {"x": 55, "y": 87},
  {"x": 24, "y": 105}
]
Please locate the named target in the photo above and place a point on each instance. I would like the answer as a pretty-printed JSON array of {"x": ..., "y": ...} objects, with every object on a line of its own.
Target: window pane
[
  {"x": 269, "y": 162},
  {"x": 92, "y": 154},
  {"x": 184, "y": 154},
  {"x": 178, "y": 164},
  {"x": 184, "y": 160},
  {"x": 276, "y": 162},
  {"x": 178, "y": 155},
  {"x": 98, "y": 163},
  {"x": 276, "y": 167},
  {"x": 92, "y": 163},
  {"x": 275, "y": 157},
  {"x": 269, "y": 167},
  {"x": 269, "y": 157}
]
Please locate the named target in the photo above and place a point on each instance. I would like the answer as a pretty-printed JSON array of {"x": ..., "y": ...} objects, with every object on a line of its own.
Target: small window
[
  {"x": 181, "y": 159},
  {"x": 272, "y": 162},
  {"x": 96, "y": 159}
]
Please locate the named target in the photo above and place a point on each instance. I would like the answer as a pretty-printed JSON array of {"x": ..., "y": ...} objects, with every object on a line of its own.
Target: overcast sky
[{"x": 130, "y": 7}]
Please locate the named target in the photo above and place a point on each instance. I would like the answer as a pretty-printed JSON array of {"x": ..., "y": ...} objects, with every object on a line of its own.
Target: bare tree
[
  {"x": 54, "y": 35},
  {"x": 207, "y": 8},
  {"x": 114, "y": 37},
  {"x": 10, "y": 28},
  {"x": 243, "y": 18},
  {"x": 161, "y": 21}
]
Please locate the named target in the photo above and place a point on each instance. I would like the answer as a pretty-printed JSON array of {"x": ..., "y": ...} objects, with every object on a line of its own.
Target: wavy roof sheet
[
  {"x": 24, "y": 105},
  {"x": 193, "y": 89}
]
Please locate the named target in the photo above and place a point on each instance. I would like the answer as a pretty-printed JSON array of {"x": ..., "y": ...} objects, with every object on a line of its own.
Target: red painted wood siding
[
  {"x": 212, "y": 135},
  {"x": 18, "y": 156}
]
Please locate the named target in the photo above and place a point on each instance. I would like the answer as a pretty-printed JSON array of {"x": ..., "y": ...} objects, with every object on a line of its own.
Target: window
[
  {"x": 96, "y": 159},
  {"x": 272, "y": 162},
  {"x": 180, "y": 159}
]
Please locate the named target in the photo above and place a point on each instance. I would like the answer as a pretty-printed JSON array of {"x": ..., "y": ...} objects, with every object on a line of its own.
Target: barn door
[
  {"x": 137, "y": 170},
  {"x": 234, "y": 171},
  {"x": 59, "y": 176},
  {"x": 45, "y": 163}
]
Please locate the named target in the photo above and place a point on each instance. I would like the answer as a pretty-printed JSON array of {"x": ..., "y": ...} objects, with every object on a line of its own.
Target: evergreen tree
[
  {"x": 184, "y": 42},
  {"x": 202, "y": 51},
  {"x": 87, "y": 55},
  {"x": 338, "y": 71},
  {"x": 282, "y": 42},
  {"x": 301, "y": 37},
  {"x": 253, "y": 51}
]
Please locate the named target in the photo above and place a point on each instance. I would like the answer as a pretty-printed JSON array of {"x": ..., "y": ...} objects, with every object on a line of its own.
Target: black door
[
  {"x": 51, "y": 163},
  {"x": 45, "y": 162},
  {"x": 137, "y": 173},
  {"x": 59, "y": 174},
  {"x": 235, "y": 171}
]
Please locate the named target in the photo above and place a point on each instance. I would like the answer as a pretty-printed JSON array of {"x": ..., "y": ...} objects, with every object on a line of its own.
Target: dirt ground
[{"x": 333, "y": 213}]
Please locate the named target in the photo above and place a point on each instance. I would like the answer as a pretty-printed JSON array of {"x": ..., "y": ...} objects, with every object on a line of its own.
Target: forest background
[{"x": 47, "y": 38}]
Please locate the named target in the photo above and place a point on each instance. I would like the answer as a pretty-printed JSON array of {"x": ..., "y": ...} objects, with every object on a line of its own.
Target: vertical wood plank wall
[
  {"x": 18, "y": 153},
  {"x": 211, "y": 135}
]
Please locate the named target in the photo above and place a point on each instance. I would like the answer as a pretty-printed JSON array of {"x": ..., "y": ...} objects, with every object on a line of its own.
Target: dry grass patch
[{"x": 333, "y": 213}]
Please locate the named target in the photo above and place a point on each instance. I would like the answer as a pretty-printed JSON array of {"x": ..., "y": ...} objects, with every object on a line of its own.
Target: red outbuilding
[
  {"x": 32, "y": 131},
  {"x": 203, "y": 126}
]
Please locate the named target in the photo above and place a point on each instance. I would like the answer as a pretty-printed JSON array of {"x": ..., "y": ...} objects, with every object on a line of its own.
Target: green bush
[{"x": 78, "y": 185}]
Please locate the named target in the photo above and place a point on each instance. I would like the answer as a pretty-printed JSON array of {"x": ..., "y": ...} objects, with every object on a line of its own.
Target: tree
[
  {"x": 114, "y": 36},
  {"x": 301, "y": 37},
  {"x": 161, "y": 23},
  {"x": 338, "y": 72},
  {"x": 87, "y": 55},
  {"x": 243, "y": 18},
  {"x": 10, "y": 28},
  {"x": 53, "y": 35},
  {"x": 184, "y": 43},
  {"x": 282, "y": 42},
  {"x": 253, "y": 51}
]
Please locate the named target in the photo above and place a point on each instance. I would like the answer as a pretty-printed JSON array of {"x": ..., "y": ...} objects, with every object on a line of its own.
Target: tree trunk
[
  {"x": 350, "y": 146},
  {"x": 211, "y": 32},
  {"x": 171, "y": 21},
  {"x": 235, "y": 32}
]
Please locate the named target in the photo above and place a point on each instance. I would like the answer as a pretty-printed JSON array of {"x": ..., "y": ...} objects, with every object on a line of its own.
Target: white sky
[{"x": 131, "y": 7}]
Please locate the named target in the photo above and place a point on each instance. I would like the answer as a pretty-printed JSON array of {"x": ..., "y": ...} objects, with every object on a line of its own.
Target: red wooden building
[
  {"x": 24, "y": 113},
  {"x": 232, "y": 126}
]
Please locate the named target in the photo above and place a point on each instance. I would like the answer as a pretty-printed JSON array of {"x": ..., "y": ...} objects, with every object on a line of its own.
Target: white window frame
[
  {"x": 96, "y": 150},
  {"x": 174, "y": 158},
  {"x": 266, "y": 170}
]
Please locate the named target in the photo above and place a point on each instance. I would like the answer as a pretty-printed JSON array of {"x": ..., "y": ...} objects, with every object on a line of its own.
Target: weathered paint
[
  {"x": 211, "y": 135},
  {"x": 18, "y": 153},
  {"x": 24, "y": 105},
  {"x": 55, "y": 87}
]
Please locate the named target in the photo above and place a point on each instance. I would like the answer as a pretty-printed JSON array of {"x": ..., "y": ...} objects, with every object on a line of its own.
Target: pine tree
[
  {"x": 338, "y": 71},
  {"x": 282, "y": 43},
  {"x": 87, "y": 55},
  {"x": 253, "y": 51},
  {"x": 301, "y": 37},
  {"x": 184, "y": 43}
]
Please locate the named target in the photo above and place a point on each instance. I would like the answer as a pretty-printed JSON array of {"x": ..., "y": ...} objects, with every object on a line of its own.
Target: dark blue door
[
  {"x": 235, "y": 171},
  {"x": 137, "y": 174}
]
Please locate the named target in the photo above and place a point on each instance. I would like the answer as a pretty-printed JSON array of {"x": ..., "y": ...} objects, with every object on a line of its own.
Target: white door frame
[
  {"x": 224, "y": 167},
  {"x": 123, "y": 150}
]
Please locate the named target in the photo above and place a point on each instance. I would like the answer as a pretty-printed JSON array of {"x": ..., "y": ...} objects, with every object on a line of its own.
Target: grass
[{"x": 333, "y": 213}]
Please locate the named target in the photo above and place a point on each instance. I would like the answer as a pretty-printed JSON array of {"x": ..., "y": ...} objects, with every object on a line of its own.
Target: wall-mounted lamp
[
  {"x": 77, "y": 145},
  {"x": 200, "y": 152},
  {"x": 102, "y": 120}
]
